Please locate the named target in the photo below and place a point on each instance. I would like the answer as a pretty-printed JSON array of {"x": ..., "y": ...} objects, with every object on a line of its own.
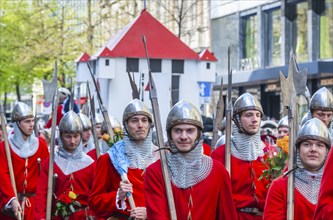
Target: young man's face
[
  {"x": 27, "y": 126},
  {"x": 70, "y": 141},
  {"x": 250, "y": 120},
  {"x": 282, "y": 131},
  {"x": 86, "y": 134},
  {"x": 99, "y": 130},
  {"x": 138, "y": 127},
  {"x": 184, "y": 136},
  {"x": 324, "y": 116},
  {"x": 312, "y": 153}
]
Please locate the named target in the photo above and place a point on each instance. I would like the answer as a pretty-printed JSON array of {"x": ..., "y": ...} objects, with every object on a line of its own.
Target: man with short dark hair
[{"x": 200, "y": 185}]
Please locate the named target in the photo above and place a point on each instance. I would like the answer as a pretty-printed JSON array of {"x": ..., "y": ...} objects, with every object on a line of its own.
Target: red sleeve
[
  {"x": 41, "y": 193},
  {"x": 6, "y": 189},
  {"x": 59, "y": 117},
  {"x": 154, "y": 189},
  {"x": 206, "y": 149},
  {"x": 218, "y": 154},
  {"x": 324, "y": 208},
  {"x": 102, "y": 199},
  {"x": 276, "y": 202}
]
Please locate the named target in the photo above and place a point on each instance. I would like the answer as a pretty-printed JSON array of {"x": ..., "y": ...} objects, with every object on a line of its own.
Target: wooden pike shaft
[
  {"x": 51, "y": 160},
  {"x": 7, "y": 149},
  {"x": 227, "y": 162},
  {"x": 159, "y": 134}
]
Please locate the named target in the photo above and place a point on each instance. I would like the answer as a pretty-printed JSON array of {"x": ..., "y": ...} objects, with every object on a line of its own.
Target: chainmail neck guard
[
  {"x": 71, "y": 162},
  {"x": 188, "y": 169},
  {"x": 140, "y": 155},
  {"x": 23, "y": 148},
  {"x": 246, "y": 147},
  {"x": 103, "y": 146},
  {"x": 89, "y": 146},
  {"x": 308, "y": 183}
]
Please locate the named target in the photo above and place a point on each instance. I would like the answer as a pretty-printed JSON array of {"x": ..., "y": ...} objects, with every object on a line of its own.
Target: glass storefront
[{"x": 326, "y": 32}]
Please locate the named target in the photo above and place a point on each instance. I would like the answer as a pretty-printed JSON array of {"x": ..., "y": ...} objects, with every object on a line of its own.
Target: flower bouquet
[
  {"x": 66, "y": 204},
  {"x": 275, "y": 158},
  {"x": 118, "y": 135}
]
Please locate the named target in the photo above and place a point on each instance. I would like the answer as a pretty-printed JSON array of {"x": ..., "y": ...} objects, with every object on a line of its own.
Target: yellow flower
[
  {"x": 106, "y": 137},
  {"x": 117, "y": 130},
  {"x": 72, "y": 195},
  {"x": 283, "y": 143}
]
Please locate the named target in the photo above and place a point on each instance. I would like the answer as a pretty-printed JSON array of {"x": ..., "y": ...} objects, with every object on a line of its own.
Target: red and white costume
[{"x": 26, "y": 171}]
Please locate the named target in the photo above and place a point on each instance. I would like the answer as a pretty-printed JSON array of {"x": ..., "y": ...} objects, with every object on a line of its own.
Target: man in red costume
[
  {"x": 128, "y": 157},
  {"x": 27, "y": 152},
  {"x": 249, "y": 193},
  {"x": 74, "y": 171},
  {"x": 200, "y": 185},
  {"x": 312, "y": 146},
  {"x": 324, "y": 209}
]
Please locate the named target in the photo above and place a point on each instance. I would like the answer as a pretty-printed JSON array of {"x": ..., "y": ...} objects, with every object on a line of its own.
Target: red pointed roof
[
  {"x": 161, "y": 43},
  {"x": 206, "y": 55},
  {"x": 83, "y": 58}
]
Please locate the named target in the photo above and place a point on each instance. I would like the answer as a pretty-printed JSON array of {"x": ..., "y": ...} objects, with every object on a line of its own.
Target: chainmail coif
[
  {"x": 89, "y": 146},
  {"x": 246, "y": 147},
  {"x": 308, "y": 183},
  {"x": 103, "y": 146},
  {"x": 142, "y": 154},
  {"x": 71, "y": 162},
  {"x": 23, "y": 148},
  {"x": 188, "y": 169}
]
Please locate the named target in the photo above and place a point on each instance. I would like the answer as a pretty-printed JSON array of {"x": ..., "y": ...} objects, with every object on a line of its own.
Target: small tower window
[
  {"x": 207, "y": 65},
  {"x": 107, "y": 62}
]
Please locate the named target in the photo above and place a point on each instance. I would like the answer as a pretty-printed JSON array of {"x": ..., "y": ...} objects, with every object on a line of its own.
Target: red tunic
[
  {"x": 92, "y": 154},
  {"x": 81, "y": 181},
  {"x": 103, "y": 196},
  {"x": 208, "y": 199},
  {"x": 59, "y": 117},
  {"x": 324, "y": 208},
  {"x": 247, "y": 190},
  {"x": 276, "y": 203},
  {"x": 20, "y": 165}
]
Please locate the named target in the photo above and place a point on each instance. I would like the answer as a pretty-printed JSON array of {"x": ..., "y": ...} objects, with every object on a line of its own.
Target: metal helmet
[
  {"x": 86, "y": 123},
  {"x": 99, "y": 118},
  {"x": 184, "y": 112},
  {"x": 283, "y": 122},
  {"x": 70, "y": 123},
  {"x": 314, "y": 129},
  {"x": 114, "y": 123},
  {"x": 322, "y": 100},
  {"x": 21, "y": 111},
  {"x": 136, "y": 107},
  {"x": 246, "y": 102},
  {"x": 63, "y": 92}
]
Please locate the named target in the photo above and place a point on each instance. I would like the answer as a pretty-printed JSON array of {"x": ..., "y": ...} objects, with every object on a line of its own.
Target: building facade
[{"x": 261, "y": 35}]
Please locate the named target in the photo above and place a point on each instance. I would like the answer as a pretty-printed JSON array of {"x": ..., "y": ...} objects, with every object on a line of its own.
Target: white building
[{"x": 178, "y": 72}]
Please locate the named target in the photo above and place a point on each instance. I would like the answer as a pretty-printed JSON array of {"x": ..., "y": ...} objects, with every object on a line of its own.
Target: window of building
[
  {"x": 301, "y": 22},
  {"x": 175, "y": 89},
  {"x": 107, "y": 62},
  {"x": 177, "y": 66},
  {"x": 249, "y": 41},
  {"x": 156, "y": 65},
  {"x": 273, "y": 37},
  {"x": 208, "y": 66},
  {"x": 326, "y": 31},
  {"x": 132, "y": 64}
]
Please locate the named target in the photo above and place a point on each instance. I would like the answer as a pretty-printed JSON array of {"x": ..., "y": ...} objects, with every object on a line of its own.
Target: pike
[
  {"x": 135, "y": 91},
  {"x": 218, "y": 118},
  {"x": 103, "y": 109},
  {"x": 93, "y": 121},
  {"x": 291, "y": 87},
  {"x": 50, "y": 180},
  {"x": 8, "y": 154},
  {"x": 228, "y": 112},
  {"x": 159, "y": 134}
]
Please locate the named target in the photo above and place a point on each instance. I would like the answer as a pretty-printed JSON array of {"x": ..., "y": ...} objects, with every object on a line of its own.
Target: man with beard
[
  {"x": 133, "y": 154},
  {"x": 249, "y": 193},
  {"x": 74, "y": 172},
  {"x": 312, "y": 146},
  {"x": 27, "y": 151},
  {"x": 200, "y": 185}
]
